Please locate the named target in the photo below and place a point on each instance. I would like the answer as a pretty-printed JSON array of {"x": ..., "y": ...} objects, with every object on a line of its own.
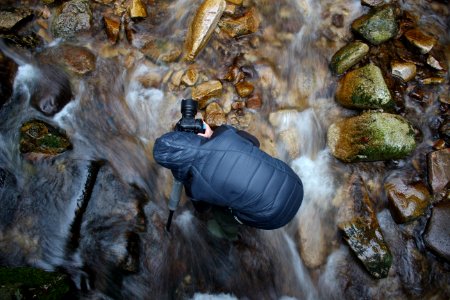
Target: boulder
[
  {"x": 371, "y": 136},
  {"x": 39, "y": 137},
  {"x": 348, "y": 56},
  {"x": 364, "y": 88},
  {"x": 439, "y": 170},
  {"x": 75, "y": 17},
  {"x": 437, "y": 237},
  {"x": 407, "y": 202},
  {"x": 377, "y": 26},
  {"x": 202, "y": 27}
]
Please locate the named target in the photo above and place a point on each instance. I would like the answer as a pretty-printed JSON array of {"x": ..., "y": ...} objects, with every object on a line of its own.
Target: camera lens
[{"x": 188, "y": 108}]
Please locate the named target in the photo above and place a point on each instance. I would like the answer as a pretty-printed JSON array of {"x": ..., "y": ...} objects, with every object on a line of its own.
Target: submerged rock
[
  {"x": 371, "y": 136},
  {"x": 439, "y": 170},
  {"x": 364, "y": 88},
  {"x": 247, "y": 24},
  {"x": 422, "y": 41},
  {"x": 407, "y": 201},
  {"x": 202, "y": 26},
  {"x": 11, "y": 17},
  {"x": 75, "y": 17},
  {"x": 205, "y": 91},
  {"x": 366, "y": 240},
  {"x": 161, "y": 50},
  {"x": 348, "y": 56},
  {"x": 39, "y": 137},
  {"x": 437, "y": 237},
  {"x": 378, "y": 26},
  {"x": 112, "y": 27}
]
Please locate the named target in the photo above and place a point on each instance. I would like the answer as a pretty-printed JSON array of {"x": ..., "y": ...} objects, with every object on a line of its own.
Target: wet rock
[
  {"x": 337, "y": 20},
  {"x": 244, "y": 89},
  {"x": 348, "y": 56},
  {"x": 230, "y": 9},
  {"x": 8, "y": 69},
  {"x": 364, "y": 88},
  {"x": 28, "y": 41},
  {"x": 76, "y": 59},
  {"x": 372, "y": 3},
  {"x": 247, "y": 24},
  {"x": 75, "y": 17},
  {"x": 236, "y": 2},
  {"x": 33, "y": 283},
  {"x": 407, "y": 201},
  {"x": 437, "y": 237},
  {"x": 39, "y": 137},
  {"x": 112, "y": 27},
  {"x": 378, "y": 26},
  {"x": 366, "y": 240},
  {"x": 422, "y": 41},
  {"x": 433, "y": 80},
  {"x": 202, "y": 27},
  {"x": 434, "y": 63},
  {"x": 161, "y": 50},
  {"x": 12, "y": 17},
  {"x": 239, "y": 119},
  {"x": 190, "y": 77},
  {"x": 291, "y": 142},
  {"x": 371, "y": 136},
  {"x": 439, "y": 170},
  {"x": 404, "y": 70},
  {"x": 137, "y": 9},
  {"x": 254, "y": 102},
  {"x": 214, "y": 115},
  {"x": 205, "y": 91}
]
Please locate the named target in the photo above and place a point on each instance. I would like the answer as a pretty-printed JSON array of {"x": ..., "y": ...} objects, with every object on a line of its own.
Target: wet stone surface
[{"x": 437, "y": 235}]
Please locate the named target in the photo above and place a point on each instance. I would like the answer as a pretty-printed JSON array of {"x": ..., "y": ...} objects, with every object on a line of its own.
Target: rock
[
  {"x": 29, "y": 41},
  {"x": 205, "y": 91},
  {"x": 29, "y": 283},
  {"x": 437, "y": 236},
  {"x": 403, "y": 70},
  {"x": 254, "y": 102},
  {"x": 434, "y": 63},
  {"x": 439, "y": 170},
  {"x": 423, "y": 42},
  {"x": 161, "y": 50},
  {"x": 247, "y": 24},
  {"x": 407, "y": 201},
  {"x": 214, "y": 115},
  {"x": 432, "y": 80},
  {"x": 240, "y": 119},
  {"x": 77, "y": 59},
  {"x": 137, "y": 9},
  {"x": 337, "y": 20},
  {"x": 372, "y": 3},
  {"x": 291, "y": 142},
  {"x": 364, "y": 88},
  {"x": 378, "y": 26},
  {"x": 348, "y": 56},
  {"x": 39, "y": 137},
  {"x": 12, "y": 17},
  {"x": 230, "y": 9},
  {"x": 75, "y": 17},
  {"x": 244, "y": 89},
  {"x": 8, "y": 69},
  {"x": 365, "y": 238},
  {"x": 371, "y": 136},
  {"x": 112, "y": 26},
  {"x": 202, "y": 27},
  {"x": 190, "y": 77},
  {"x": 236, "y": 2}
]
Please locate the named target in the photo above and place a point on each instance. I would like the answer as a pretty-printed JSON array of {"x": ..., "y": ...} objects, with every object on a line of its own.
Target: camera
[{"x": 188, "y": 123}]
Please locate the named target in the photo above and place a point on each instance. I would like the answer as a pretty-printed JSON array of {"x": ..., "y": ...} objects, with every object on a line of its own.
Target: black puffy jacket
[{"x": 230, "y": 171}]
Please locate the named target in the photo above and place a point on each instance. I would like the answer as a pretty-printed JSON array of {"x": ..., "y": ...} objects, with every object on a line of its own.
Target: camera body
[{"x": 188, "y": 123}]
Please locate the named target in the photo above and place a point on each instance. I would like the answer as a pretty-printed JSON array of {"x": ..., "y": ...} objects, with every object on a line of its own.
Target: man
[{"x": 227, "y": 170}]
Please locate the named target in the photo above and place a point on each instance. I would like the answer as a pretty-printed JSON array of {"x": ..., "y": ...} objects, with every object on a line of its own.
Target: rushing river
[{"x": 98, "y": 211}]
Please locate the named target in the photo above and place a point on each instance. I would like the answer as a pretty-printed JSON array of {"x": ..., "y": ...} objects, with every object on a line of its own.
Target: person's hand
[{"x": 208, "y": 131}]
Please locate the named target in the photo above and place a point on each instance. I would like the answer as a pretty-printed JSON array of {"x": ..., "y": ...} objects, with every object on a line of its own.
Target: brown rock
[
  {"x": 244, "y": 88},
  {"x": 247, "y": 24},
  {"x": 236, "y": 2},
  {"x": 407, "y": 201},
  {"x": 78, "y": 59},
  {"x": 11, "y": 17},
  {"x": 421, "y": 40},
  {"x": 214, "y": 115},
  {"x": 205, "y": 91},
  {"x": 238, "y": 105},
  {"x": 433, "y": 80},
  {"x": 437, "y": 234},
  {"x": 439, "y": 170},
  {"x": 254, "y": 102},
  {"x": 137, "y": 9},
  {"x": 112, "y": 26},
  {"x": 403, "y": 70},
  {"x": 190, "y": 77},
  {"x": 161, "y": 50}
]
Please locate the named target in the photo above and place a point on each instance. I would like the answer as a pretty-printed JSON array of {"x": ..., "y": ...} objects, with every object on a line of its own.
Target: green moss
[{"x": 39, "y": 137}]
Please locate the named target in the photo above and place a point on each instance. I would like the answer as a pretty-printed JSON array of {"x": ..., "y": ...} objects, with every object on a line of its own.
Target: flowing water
[{"x": 98, "y": 211}]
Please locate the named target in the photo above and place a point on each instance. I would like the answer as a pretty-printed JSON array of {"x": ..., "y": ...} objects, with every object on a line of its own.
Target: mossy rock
[
  {"x": 39, "y": 137},
  {"x": 372, "y": 136},
  {"x": 364, "y": 88},
  {"x": 348, "y": 56},
  {"x": 366, "y": 240},
  {"x": 32, "y": 283},
  {"x": 377, "y": 26}
]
